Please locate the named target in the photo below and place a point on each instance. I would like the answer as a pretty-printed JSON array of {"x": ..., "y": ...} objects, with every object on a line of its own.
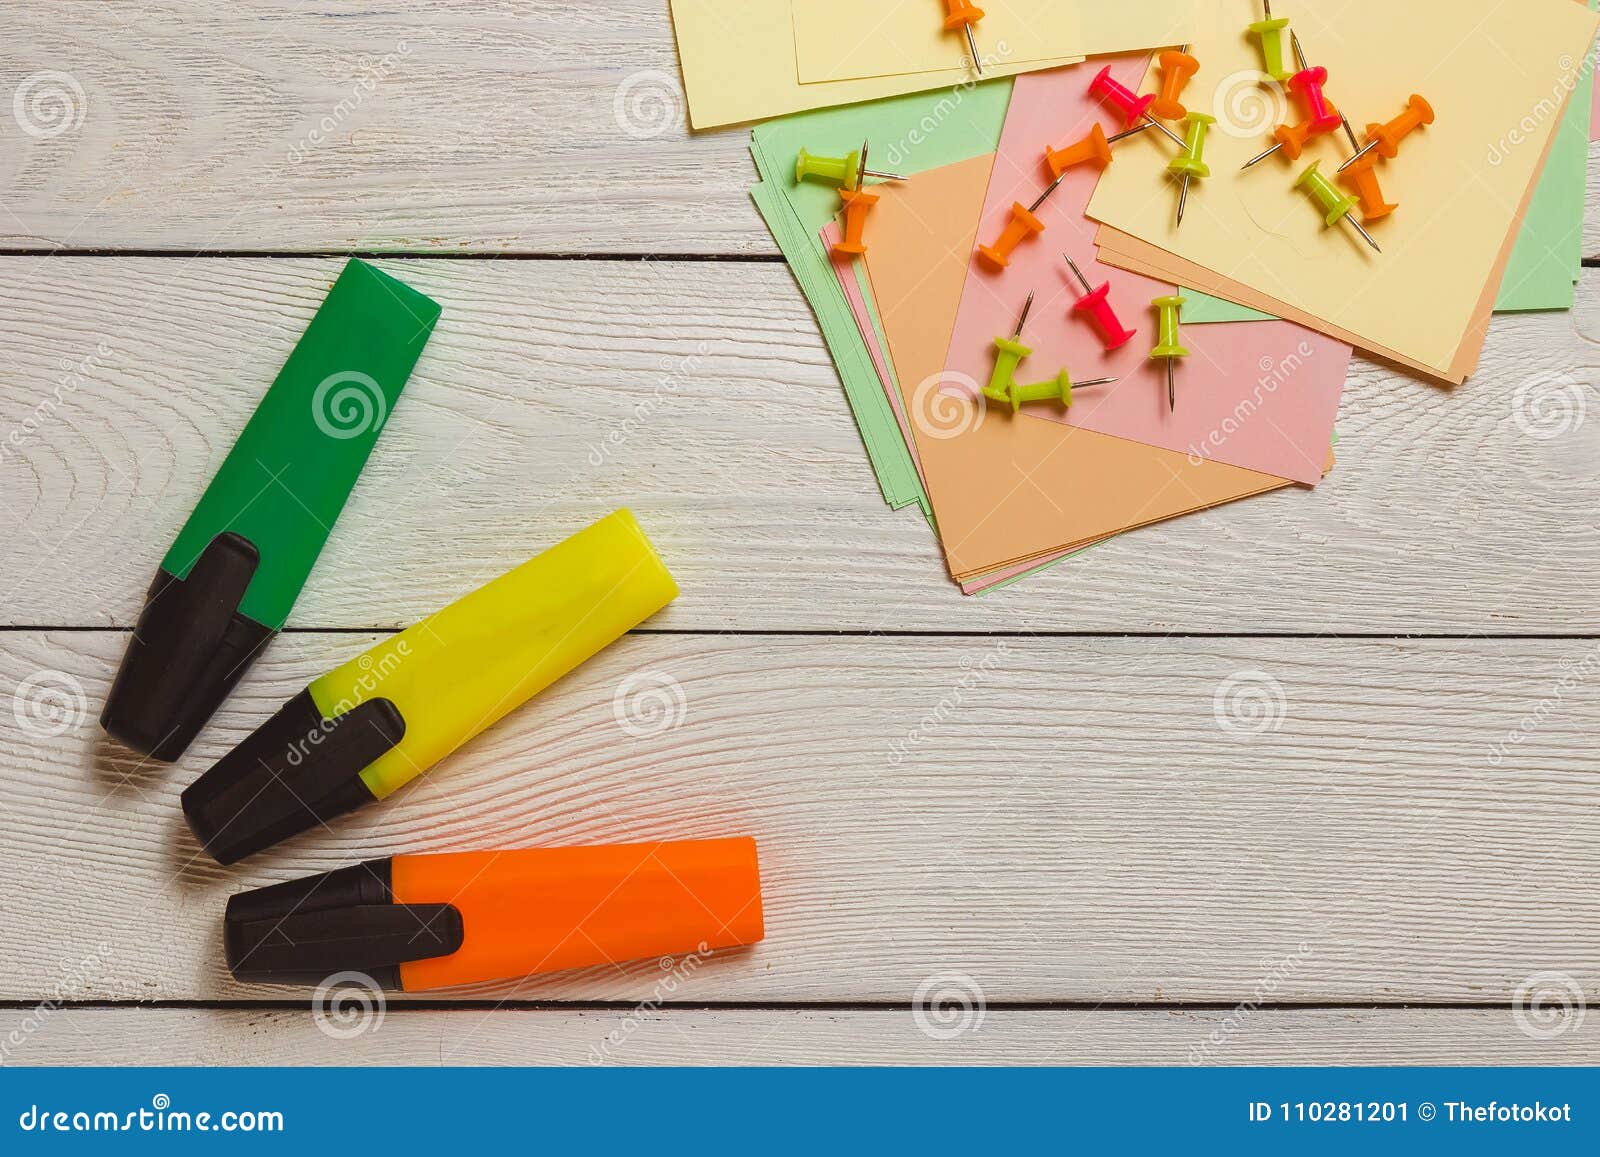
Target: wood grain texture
[
  {"x": 532, "y": 126},
  {"x": 161, "y": 1036},
  {"x": 1091, "y": 820},
  {"x": 701, "y": 396}
]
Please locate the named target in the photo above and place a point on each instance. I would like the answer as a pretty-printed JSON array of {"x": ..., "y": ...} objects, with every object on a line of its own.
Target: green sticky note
[{"x": 1203, "y": 309}]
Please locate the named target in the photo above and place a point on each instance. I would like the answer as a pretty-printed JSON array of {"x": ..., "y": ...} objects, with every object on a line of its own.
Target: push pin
[
  {"x": 1008, "y": 355},
  {"x": 1270, "y": 33},
  {"x": 1177, "y": 68},
  {"x": 1321, "y": 117},
  {"x": 1057, "y": 389},
  {"x": 1300, "y": 55},
  {"x": 1096, "y": 306},
  {"x": 1192, "y": 163},
  {"x": 1335, "y": 205},
  {"x": 857, "y": 204},
  {"x": 1134, "y": 108},
  {"x": 1362, "y": 177},
  {"x": 1386, "y": 138},
  {"x": 1167, "y": 345},
  {"x": 961, "y": 14},
  {"x": 1093, "y": 148},
  {"x": 1022, "y": 225},
  {"x": 847, "y": 171}
]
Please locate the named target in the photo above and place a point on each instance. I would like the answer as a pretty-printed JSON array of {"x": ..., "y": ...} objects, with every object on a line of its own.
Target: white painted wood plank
[
  {"x": 549, "y": 127},
  {"x": 663, "y": 1036},
  {"x": 265, "y": 125},
  {"x": 1058, "y": 819},
  {"x": 124, "y": 380}
]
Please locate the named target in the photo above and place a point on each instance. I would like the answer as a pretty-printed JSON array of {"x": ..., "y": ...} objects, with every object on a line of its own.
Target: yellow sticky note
[
  {"x": 738, "y": 60},
  {"x": 1498, "y": 76},
  {"x": 848, "y": 39}
]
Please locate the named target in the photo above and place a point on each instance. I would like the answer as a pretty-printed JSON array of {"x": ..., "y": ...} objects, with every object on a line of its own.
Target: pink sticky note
[{"x": 1258, "y": 395}]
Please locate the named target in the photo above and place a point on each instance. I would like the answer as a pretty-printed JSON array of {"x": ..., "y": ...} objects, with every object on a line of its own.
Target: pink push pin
[
  {"x": 1308, "y": 84},
  {"x": 1096, "y": 307},
  {"x": 1133, "y": 107}
]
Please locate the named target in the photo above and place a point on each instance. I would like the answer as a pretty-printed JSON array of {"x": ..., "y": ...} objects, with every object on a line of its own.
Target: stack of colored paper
[{"x": 912, "y": 325}]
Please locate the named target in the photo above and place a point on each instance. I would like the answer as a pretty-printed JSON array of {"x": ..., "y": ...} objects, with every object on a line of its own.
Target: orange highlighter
[{"x": 414, "y": 923}]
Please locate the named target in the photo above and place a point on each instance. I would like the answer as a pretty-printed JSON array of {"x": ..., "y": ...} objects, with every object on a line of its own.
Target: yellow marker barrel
[{"x": 386, "y": 716}]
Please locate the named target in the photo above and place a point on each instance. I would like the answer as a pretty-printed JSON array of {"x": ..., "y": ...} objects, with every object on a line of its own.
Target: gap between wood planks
[
  {"x": 483, "y": 1004},
  {"x": 994, "y": 633}
]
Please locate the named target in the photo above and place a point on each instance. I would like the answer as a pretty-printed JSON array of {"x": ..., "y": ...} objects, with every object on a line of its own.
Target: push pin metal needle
[
  {"x": 1335, "y": 205},
  {"x": 962, "y": 15},
  {"x": 1300, "y": 55}
]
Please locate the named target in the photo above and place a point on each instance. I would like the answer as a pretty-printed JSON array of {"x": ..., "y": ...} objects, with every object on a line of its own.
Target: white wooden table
[{"x": 1381, "y": 875}]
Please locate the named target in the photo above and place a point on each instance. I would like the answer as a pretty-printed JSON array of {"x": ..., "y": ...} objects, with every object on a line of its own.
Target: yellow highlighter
[{"x": 369, "y": 727}]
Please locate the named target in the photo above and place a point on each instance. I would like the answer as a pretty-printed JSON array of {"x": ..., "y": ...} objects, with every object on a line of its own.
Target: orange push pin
[
  {"x": 1386, "y": 138},
  {"x": 963, "y": 15},
  {"x": 1176, "y": 70},
  {"x": 857, "y": 204},
  {"x": 1362, "y": 177},
  {"x": 1292, "y": 139},
  {"x": 1093, "y": 148},
  {"x": 1022, "y": 225}
]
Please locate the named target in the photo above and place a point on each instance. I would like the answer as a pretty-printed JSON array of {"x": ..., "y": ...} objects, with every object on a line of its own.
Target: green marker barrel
[{"x": 228, "y": 582}]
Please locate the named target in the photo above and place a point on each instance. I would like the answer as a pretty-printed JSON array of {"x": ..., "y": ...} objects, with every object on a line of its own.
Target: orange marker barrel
[
  {"x": 1091, "y": 149},
  {"x": 420, "y": 922},
  {"x": 1177, "y": 68},
  {"x": 857, "y": 204}
]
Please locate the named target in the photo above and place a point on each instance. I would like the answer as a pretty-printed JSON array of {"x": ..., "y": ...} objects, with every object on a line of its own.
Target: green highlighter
[{"x": 226, "y": 586}]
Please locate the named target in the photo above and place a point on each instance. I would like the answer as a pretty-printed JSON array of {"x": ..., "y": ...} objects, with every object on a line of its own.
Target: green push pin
[
  {"x": 1270, "y": 32},
  {"x": 1008, "y": 355},
  {"x": 1057, "y": 389},
  {"x": 846, "y": 171},
  {"x": 1167, "y": 346},
  {"x": 1335, "y": 205},
  {"x": 1191, "y": 162}
]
